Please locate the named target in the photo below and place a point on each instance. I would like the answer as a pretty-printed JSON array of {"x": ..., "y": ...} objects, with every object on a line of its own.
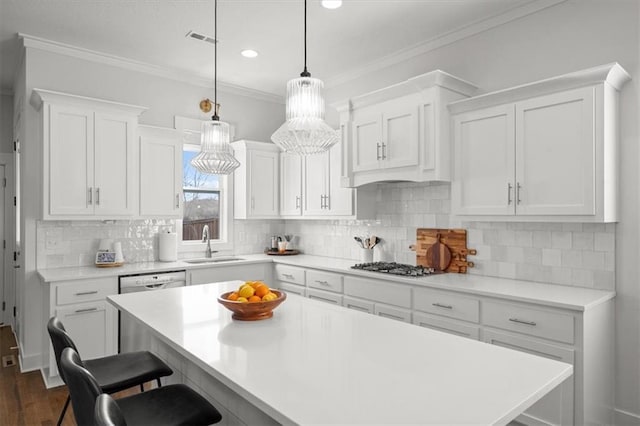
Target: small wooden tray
[
  {"x": 109, "y": 265},
  {"x": 286, "y": 253}
]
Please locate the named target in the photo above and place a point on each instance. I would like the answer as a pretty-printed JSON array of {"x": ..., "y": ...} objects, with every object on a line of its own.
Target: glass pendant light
[
  {"x": 305, "y": 131},
  {"x": 216, "y": 155}
]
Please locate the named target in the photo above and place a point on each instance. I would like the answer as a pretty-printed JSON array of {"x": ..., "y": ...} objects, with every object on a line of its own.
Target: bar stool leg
[{"x": 64, "y": 410}]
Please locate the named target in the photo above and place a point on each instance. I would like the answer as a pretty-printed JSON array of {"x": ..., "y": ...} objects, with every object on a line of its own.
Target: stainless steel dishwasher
[{"x": 131, "y": 334}]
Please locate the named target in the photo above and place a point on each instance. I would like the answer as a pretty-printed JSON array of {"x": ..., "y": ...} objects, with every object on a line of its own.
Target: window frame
[{"x": 224, "y": 245}]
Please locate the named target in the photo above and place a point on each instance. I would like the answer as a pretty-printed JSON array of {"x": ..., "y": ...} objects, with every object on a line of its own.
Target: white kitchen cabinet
[
  {"x": 358, "y": 304},
  {"x": 290, "y": 184},
  {"x": 324, "y": 296},
  {"x": 248, "y": 272},
  {"x": 160, "y": 172},
  {"x": 290, "y": 279},
  {"x": 311, "y": 188},
  {"x": 256, "y": 182},
  {"x": 98, "y": 138},
  {"x": 91, "y": 322},
  {"x": 543, "y": 151},
  {"x": 392, "y": 312},
  {"x": 401, "y": 132}
]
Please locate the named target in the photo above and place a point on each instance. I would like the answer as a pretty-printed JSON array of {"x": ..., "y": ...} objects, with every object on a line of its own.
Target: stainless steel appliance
[
  {"x": 395, "y": 268},
  {"x": 130, "y": 333}
]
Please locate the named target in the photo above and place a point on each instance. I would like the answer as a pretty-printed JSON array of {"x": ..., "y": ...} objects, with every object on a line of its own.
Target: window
[{"x": 204, "y": 203}]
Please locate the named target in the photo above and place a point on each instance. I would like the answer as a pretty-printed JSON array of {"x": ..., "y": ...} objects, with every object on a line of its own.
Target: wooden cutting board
[{"x": 454, "y": 239}]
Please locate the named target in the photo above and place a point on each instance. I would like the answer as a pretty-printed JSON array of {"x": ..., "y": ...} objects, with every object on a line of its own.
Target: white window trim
[{"x": 190, "y": 128}]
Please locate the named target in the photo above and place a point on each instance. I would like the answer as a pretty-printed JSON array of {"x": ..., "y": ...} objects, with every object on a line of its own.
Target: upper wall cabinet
[
  {"x": 543, "y": 151},
  {"x": 160, "y": 172},
  {"x": 97, "y": 138},
  {"x": 400, "y": 132},
  {"x": 255, "y": 182}
]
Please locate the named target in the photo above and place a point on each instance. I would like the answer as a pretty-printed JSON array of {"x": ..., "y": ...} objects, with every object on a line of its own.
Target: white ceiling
[{"x": 340, "y": 41}]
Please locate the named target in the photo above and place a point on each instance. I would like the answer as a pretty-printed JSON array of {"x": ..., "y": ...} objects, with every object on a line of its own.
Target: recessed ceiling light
[
  {"x": 331, "y": 4},
  {"x": 248, "y": 53}
]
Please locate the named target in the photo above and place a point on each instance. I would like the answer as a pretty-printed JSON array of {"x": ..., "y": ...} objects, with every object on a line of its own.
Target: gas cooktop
[{"x": 395, "y": 268}]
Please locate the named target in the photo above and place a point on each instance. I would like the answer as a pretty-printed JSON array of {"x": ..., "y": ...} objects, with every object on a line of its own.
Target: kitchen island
[{"x": 317, "y": 363}]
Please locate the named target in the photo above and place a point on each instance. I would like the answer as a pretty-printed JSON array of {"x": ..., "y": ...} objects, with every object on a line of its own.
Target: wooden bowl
[{"x": 252, "y": 311}]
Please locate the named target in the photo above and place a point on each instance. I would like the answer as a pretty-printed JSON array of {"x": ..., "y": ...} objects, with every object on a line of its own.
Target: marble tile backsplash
[
  {"x": 562, "y": 253},
  {"x": 74, "y": 243}
]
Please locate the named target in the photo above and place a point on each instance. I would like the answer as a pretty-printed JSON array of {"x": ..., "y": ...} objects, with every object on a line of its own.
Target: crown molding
[
  {"x": 182, "y": 76},
  {"x": 440, "y": 41}
]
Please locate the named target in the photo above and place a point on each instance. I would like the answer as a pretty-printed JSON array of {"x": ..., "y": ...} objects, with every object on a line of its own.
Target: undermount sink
[{"x": 212, "y": 259}]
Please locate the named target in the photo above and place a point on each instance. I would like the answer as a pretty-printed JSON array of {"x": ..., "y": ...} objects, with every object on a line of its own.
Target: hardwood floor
[{"x": 23, "y": 398}]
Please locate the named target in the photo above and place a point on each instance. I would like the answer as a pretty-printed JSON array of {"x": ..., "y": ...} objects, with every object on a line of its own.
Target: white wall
[
  {"x": 6, "y": 123},
  {"x": 573, "y": 35}
]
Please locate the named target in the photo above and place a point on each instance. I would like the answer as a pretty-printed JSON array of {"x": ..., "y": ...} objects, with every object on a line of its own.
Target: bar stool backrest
[
  {"x": 83, "y": 387},
  {"x": 60, "y": 340}
]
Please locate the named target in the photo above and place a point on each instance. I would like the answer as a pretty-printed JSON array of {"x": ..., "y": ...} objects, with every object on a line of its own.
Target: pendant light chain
[
  {"x": 305, "y": 73},
  {"x": 215, "y": 61}
]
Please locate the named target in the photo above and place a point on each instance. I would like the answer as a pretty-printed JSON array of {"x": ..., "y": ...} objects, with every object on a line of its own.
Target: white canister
[
  {"x": 366, "y": 255},
  {"x": 117, "y": 248},
  {"x": 167, "y": 246}
]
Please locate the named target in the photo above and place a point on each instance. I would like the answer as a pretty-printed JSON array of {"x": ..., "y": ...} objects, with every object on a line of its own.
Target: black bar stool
[
  {"x": 113, "y": 373},
  {"x": 168, "y": 405}
]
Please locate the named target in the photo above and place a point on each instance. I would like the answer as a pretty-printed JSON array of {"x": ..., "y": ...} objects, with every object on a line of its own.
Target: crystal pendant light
[
  {"x": 305, "y": 131},
  {"x": 216, "y": 155}
]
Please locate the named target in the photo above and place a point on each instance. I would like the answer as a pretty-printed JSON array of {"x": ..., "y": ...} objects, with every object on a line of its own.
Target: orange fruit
[
  {"x": 269, "y": 296},
  {"x": 262, "y": 290},
  {"x": 253, "y": 284},
  {"x": 246, "y": 291},
  {"x": 242, "y": 299},
  {"x": 255, "y": 298},
  {"x": 233, "y": 296}
]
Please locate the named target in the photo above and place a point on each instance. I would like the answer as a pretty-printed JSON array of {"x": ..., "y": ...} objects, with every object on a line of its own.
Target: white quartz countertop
[
  {"x": 566, "y": 297},
  {"x": 318, "y": 363}
]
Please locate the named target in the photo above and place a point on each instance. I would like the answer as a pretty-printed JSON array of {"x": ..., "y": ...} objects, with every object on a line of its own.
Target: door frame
[{"x": 6, "y": 316}]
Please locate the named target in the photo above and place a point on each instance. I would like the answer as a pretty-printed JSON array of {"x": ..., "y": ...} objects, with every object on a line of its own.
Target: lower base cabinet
[
  {"x": 89, "y": 319},
  {"x": 252, "y": 272},
  {"x": 324, "y": 296}
]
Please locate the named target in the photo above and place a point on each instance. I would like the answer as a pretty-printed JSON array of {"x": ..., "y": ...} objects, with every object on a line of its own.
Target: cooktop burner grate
[{"x": 394, "y": 268}]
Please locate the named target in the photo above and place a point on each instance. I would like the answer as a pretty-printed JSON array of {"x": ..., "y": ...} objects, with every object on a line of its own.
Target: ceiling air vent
[{"x": 201, "y": 37}]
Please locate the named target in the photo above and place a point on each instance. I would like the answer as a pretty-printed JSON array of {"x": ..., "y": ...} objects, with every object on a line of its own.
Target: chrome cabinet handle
[
  {"x": 253, "y": 203},
  {"x": 97, "y": 196},
  {"x": 357, "y": 308},
  {"x": 79, "y": 311},
  {"x": 326, "y": 202},
  {"x": 384, "y": 151},
  {"x": 84, "y": 293},
  {"x": 439, "y": 305},
  {"x": 509, "y": 188},
  {"x": 519, "y": 321},
  {"x": 90, "y": 195},
  {"x": 322, "y": 282},
  {"x": 288, "y": 276},
  {"x": 177, "y": 201},
  {"x": 297, "y": 202},
  {"x": 518, "y": 188},
  {"x": 378, "y": 151}
]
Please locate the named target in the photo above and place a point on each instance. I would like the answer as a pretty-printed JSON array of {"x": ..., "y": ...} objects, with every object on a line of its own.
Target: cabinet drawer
[
  {"x": 379, "y": 291},
  {"x": 446, "y": 325},
  {"x": 446, "y": 304},
  {"x": 535, "y": 322},
  {"x": 324, "y": 296},
  {"x": 292, "y": 288},
  {"x": 85, "y": 291},
  {"x": 324, "y": 281},
  {"x": 290, "y": 274},
  {"x": 357, "y": 304},
  {"x": 392, "y": 312}
]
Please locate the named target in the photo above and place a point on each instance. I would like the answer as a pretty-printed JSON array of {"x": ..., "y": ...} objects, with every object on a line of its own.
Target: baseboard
[
  {"x": 29, "y": 363},
  {"x": 625, "y": 418}
]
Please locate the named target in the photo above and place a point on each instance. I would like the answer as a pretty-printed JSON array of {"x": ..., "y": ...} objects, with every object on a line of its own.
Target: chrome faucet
[{"x": 206, "y": 237}]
